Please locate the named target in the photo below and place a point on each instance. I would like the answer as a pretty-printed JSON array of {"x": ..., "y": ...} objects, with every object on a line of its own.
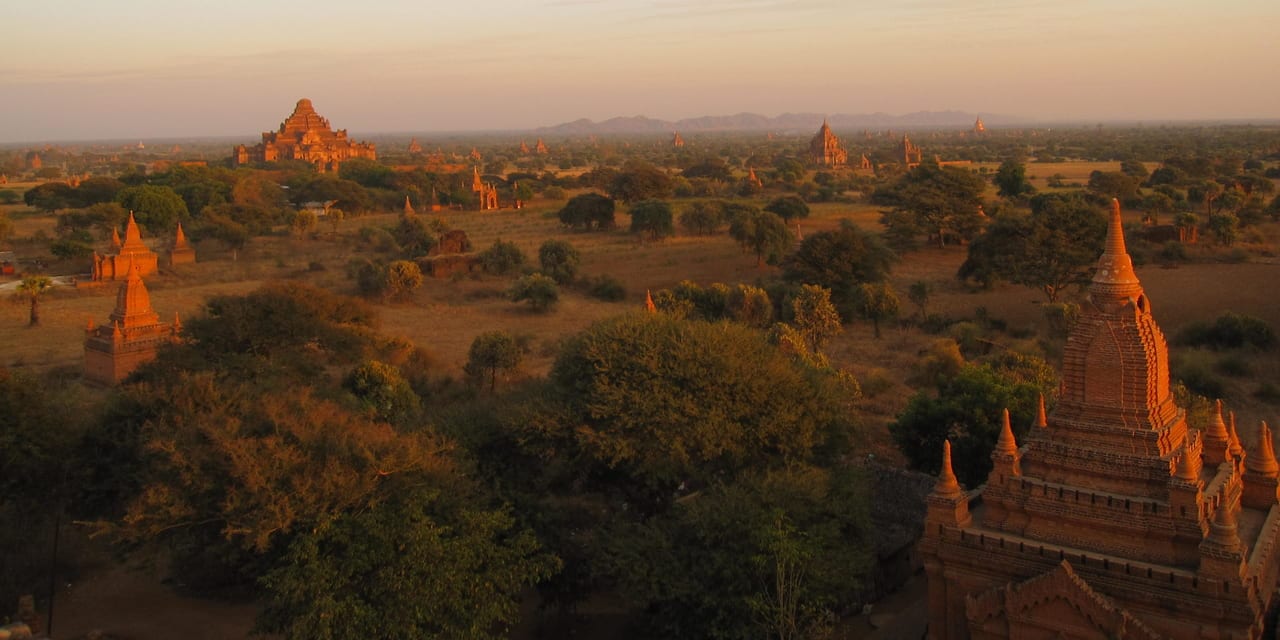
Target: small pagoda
[
  {"x": 131, "y": 337},
  {"x": 181, "y": 252},
  {"x": 125, "y": 255}
]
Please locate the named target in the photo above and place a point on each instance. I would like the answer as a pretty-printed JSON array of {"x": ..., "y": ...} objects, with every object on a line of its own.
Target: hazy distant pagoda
[
  {"x": 1113, "y": 519},
  {"x": 825, "y": 149},
  {"x": 304, "y": 135}
]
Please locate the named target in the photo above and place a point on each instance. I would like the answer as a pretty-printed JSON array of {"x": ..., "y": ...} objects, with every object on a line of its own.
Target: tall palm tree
[{"x": 33, "y": 287}]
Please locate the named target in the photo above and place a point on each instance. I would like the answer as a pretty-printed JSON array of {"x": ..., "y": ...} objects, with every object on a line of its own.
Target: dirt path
[{"x": 135, "y": 605}]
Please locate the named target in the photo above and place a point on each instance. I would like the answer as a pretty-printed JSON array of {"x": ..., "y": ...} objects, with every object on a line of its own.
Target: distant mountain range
[{"x": 787, "y": 122}]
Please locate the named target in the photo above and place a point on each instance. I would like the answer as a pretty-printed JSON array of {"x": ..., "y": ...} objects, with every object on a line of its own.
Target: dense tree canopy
[
  {"x": 156, "y": 208},
  {"x": 839, "y": 260},
  {"x": 1053, "y": 248},
  {"x": 941, "y": 202},
  {"x": 588, "y": 211}
]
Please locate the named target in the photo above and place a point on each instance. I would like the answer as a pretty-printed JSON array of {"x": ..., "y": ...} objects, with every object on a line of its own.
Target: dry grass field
[{"x": 445, "y": 315}]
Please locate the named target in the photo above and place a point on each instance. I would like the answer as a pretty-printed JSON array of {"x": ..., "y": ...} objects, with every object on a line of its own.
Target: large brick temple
[
  {"x": 825, "y": 149},
  {"x": 1112, "y": 519},
  {"x": 304, "y": 135}
]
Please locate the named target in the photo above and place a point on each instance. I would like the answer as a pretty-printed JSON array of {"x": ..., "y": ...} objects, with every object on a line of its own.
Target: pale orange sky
[{"x": 83, "y": 69}]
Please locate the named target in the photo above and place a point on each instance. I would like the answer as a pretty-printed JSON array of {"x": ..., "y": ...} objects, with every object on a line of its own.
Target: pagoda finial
[
  {"x": 1042, "y": 419},
  {"x": 947, "y": 484},
  {"x": 180, "y": 238},
  {"x": 1234, "y": 446},
  {"x": 1006, "y": 445},
  {"x": 1263, "y": 460},
  {"x": 115, "y": 238},
  {"x": 648, "y": 302},
  {"x": 1115, "y": 276},
  {"x": 1217, "y": 440},
  {"x": 1223, "y": 532},
  {"x": 1188, "y": 464}
]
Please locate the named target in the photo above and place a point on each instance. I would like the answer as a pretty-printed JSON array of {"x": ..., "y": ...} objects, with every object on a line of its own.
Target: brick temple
[
  {"x": 304, "y": 135},
  {"x": 112, "y": 351},
  {"x": 825, "y": 149},
  {"x": 1112, "y": 519},
  {"x": 131, "y": 253}
]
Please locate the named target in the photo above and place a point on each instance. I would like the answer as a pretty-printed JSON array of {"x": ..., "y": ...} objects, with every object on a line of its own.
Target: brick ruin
[
  {"x": 112, "y": 351},
  {"x": 306, "y": 136},
  {"x": 451, "y": 255},
  {"x": 486, "y": 193},
  {"x": 825, "y": 149},
  {"x": 1112, "y": 519}
]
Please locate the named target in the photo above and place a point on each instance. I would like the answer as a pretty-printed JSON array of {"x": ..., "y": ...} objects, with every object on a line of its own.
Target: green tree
[
  {"x": 155, "y": 207},
  {"x": 765, "y": 235},
  {"x": 30, "y": 289},
  {"x": 918, "y": 293},
  {"x": 559, "y": 260},
  {"x": 772, "y": 555},
  {"x": 384, "y": 393},
  {"x": 815, "y": 317},
  {"x": 750, "y": 305},
  {"x": 413, "y": 236},
  {"x": 418, "y": 566},
  {"x": 9, "y": 196},
  {"x": 967, "y": 410},
  {"x": 702, "y": 217},
  {"x": 502, "y": 258},
  {"x": 652, "y": 217},
  {"x": 367, "y": 173},
  {"x": 538, "y": 290},
  {"x": 491, "y": 352},
  {"x": 587, "y": 211},
  {"x": 1011, "y": 179},
  {"x": 1224, "y": 226},
  {"x": 651, "y": 401},
  {"x": 839, "y": 260},
  {"x": 877, "y": 302},
  {"x": 1113, "y": 184},
  {"x": 303, "y": 222},
  {"x": 639, "y": 180},
  {"x": 1054, "y": 248},
  {"x": 50, "y": 196},
  {"x": 97, "y": 189},
  {"x": 788, "y": 208},
  {"x": 402, "y": 279},
  {"x": 942, "y": 202}
]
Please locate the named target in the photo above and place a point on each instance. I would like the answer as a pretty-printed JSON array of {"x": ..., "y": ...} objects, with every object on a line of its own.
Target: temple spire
[
  {"x": 180, "y": 238},
  {"x": 1006, "y": 445},
  {"x": 648, "y": 302},
  {"x": 1217, "y": 441},
  {"x": 947, "y": 484},
  {"x": 1223, "y": 532},
  {"x": 1234, "y": 447},
  {"x": 1115, "y": 276},
  {"x": 1042, "y": 419},
  {"x": 1263, "y": 461},
  {"x": 132, "y": 237}
]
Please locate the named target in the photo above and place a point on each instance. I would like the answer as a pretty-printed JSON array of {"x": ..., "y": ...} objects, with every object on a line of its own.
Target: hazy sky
[{"x": 75, "y": 69}]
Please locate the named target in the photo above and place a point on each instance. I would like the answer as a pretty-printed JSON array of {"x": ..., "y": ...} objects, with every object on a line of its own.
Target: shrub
[
  {"x": 538, "y": 290},
  {"x": 1229, "y": 331},
  {"x": 1234, "y": 366},
  {"x": 1195, "y": 375},
  {"x": 606, "y": 288},
  {"x": 502, "y": 258},
  {"x": 559, "y": 260}
]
